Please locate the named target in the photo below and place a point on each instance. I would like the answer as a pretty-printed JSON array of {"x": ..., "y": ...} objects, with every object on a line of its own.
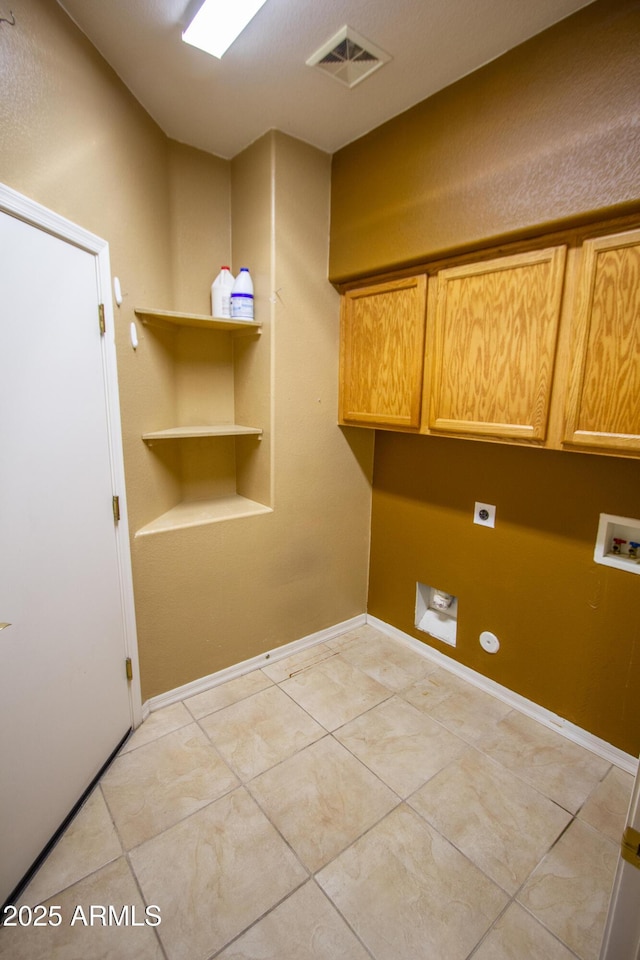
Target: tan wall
[
  {"x": 252, "y": 184},
  {"x": 74, "y": 139},
  {"x": 546, "y": 133},
  {"x": 220, "y": 594},
  {"x": 200, "y": 216},
  {"x": 312, "y": 460}
]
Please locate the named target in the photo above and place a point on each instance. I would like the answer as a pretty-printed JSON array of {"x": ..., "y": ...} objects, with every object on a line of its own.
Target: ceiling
[{"x": 263, "y": 83}]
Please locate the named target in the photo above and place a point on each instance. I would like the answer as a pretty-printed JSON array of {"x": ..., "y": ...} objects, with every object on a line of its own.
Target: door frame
[
  {"x": 17, "y": 205},
  {"x": 622, "y": 930}
]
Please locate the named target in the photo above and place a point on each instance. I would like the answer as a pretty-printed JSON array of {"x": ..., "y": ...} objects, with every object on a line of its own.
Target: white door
[
  {"x": 64, "y": 697},
  {"x": 621, "y": 939}
]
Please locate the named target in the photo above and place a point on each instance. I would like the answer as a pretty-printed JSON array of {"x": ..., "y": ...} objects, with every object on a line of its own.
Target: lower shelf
[
  {"x": 195, "y": 513},
  {"x": 213, "y": 430}
]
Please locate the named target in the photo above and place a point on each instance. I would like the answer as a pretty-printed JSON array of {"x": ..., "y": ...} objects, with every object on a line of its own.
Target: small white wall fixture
[{"x": 618, "y": 543}]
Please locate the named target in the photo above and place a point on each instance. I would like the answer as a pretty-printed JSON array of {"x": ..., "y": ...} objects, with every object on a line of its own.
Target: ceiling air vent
[{"x": 348, "y": 57}]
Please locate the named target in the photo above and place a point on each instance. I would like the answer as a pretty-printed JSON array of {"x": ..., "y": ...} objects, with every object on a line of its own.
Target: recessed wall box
[
  {"x": 436, "y": 613},
  {"x": 618, "y": 543}
]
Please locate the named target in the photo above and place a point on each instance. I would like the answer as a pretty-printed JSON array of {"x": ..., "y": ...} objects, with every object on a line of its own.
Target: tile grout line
[
  {"x": 258, "y": 920},
  {"x": 156, "y": 928},
  {"x": 340, "y": 914}
]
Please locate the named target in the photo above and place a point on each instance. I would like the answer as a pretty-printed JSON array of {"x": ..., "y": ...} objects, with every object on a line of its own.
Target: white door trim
[
  {"x": 17, "y": 205},
  {"x": 622, "y": 930}
]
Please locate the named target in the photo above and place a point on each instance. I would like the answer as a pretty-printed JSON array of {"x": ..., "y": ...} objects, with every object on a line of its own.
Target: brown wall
[
  {"x": 546, "y": 134},
  {"x": 568, "y": 627},
  {"x": 73, "y": 138}
]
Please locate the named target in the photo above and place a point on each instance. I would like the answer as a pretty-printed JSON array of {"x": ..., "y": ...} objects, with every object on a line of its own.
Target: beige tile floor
[{"x": 353, "y": 801}]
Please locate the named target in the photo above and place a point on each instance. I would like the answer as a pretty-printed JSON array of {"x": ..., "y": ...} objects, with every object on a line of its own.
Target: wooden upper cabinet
[
  {"x": 603, "y": 400},
  {"x": 382, "y": 353},
  {"x": 493, "y": 331}
]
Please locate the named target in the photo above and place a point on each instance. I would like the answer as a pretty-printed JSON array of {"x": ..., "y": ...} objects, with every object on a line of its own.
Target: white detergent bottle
[
  {"x": 221, "y": 294},
  {"x": 242, "y": 296}
]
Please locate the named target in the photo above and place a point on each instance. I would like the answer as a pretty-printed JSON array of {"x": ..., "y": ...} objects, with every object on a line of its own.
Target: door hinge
[
  {"x": 116, "y": 508},
  {"x": 630, "y": 847},
  {"x": 129, "y": 668},
  {"x": 101, "y": 322}
]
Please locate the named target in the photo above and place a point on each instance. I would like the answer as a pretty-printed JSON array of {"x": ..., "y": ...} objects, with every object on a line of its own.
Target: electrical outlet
[{"x": 484, "y": 514}]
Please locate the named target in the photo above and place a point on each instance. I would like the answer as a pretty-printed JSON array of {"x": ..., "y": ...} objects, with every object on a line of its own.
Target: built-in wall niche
[
  {"x": 436, "y": 613},
  {"x": 618, "y": 542},
  {"x": 209, "y": 457}
]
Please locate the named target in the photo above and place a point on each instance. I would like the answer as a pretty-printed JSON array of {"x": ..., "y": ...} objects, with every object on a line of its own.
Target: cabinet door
[
  {"x": 493, "y": 341},
  {"x": 603, "y": 400},
  {"x": 381, "y": 353}
]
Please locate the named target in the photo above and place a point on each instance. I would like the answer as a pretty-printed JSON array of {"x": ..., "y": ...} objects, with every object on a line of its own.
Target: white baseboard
[
  {"x": 569, "y": 730},
  {"x": 246, "y": 666}
]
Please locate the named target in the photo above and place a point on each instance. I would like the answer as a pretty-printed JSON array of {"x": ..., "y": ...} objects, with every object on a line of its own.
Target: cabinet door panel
[
  {"x": 382, "y": 349},
  {"x": 494, "y": 336},
  {"x": 603, "y": 403}
]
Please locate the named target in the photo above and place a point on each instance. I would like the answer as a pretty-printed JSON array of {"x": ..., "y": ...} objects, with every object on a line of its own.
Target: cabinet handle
[{"x": 4, "y": 625}]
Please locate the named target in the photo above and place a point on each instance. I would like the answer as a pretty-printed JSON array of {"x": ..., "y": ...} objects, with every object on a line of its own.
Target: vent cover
[{"x": 348, "y": 57}]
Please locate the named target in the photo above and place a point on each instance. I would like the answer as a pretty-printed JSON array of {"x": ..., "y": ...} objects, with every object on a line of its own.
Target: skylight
[{"x": 218, "y": 23}]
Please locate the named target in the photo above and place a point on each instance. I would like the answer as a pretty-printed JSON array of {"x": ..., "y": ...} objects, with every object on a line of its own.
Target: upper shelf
[{"x": 196, "y": 320}]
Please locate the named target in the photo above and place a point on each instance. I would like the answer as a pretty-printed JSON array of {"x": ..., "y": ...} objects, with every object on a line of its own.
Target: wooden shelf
[
  {"x": 196, "y": 320},
  {"x": 196, "y": 513},
  {"x": 216, "y": 463},
  {"x": 210, "y": 430}
]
